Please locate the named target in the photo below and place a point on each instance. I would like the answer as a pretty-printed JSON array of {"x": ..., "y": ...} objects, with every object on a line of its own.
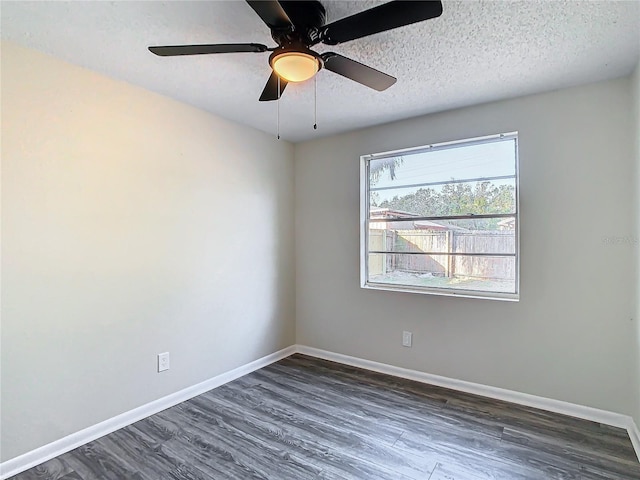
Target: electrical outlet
[
  {"x": 163, "y": 361},
  {"x": 407, "y": 338}
]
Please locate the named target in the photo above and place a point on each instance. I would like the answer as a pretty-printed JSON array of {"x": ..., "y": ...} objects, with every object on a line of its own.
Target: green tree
[{"x": 458, "y": 199}]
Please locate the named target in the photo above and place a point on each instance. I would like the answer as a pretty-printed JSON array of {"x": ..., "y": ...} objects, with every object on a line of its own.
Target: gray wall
[
  {"x": 129, "y": 228},
  {"x": 571, "y": 336}
]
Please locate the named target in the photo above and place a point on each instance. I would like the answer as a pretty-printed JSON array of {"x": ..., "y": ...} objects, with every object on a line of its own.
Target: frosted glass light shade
[{"x": 295, "y": 66}]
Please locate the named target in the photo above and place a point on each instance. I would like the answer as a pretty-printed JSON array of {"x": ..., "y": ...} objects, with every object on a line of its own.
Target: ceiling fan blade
[
  {"x": 379, "y": 19},
  {"x": 174, "y": 50},
  {"x": 271, "y": 13},
  {"x": 357, "y": 72},
  {"x": 270, "y": 91}
]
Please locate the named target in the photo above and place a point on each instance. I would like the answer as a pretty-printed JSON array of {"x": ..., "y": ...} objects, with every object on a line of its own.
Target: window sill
[{"x": 505, "y": 297}]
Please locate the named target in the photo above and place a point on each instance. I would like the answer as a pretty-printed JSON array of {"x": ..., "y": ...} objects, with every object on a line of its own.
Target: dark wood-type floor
[{"x": 304, "y": 418}]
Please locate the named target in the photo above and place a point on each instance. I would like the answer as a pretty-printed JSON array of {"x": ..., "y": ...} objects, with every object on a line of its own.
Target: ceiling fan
[{"x": 298, "y": 25}]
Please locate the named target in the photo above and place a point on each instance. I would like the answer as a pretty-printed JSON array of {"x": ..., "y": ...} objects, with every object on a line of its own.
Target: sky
[{"x": 461, "y": 162}]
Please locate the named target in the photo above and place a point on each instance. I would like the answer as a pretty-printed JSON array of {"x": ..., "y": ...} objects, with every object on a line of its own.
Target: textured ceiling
[{"x": 477, "y": 51}]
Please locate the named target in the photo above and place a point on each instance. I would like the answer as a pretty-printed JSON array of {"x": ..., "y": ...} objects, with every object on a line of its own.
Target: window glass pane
[
  {"x": 478, "y": 198},
  {"x": 474, "y": 235},
  {"x": 408, "y": 240},
  {"x": 490, "y": 274},
  {"x": 461, "y": 162},
  {"x": 422, "y": 228}
]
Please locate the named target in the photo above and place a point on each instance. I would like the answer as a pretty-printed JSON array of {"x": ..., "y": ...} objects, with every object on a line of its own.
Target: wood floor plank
[
  {"x": 324, "y": 405},
  {"x": 514, "y": 415},
  {"x": 334, "y": 370},
  {"x": 71, "y": 476},
  {"x": 331, "y": 444},
  {"x": 390, "y": 412},
  {"x": 92, "y": 463},
  {"x": 214, "y": 467},
  {"x": 589, "y": 435},
  {"x": 376, "y": 402},
  {"x": 54, "y": 469},
  {"x": 132, "y": 449},
  {"x": 576, "y": 451},
  {"x": 591, "y": 472},
  {"x": 535, "y": 421},
  {"x": 614, "y": 431},
  {"x": 305, "y": 418},
  {"x": 454, "y": 471},
  {"x": 479, "y": 456},
  {"x": 239, "y": 446}
]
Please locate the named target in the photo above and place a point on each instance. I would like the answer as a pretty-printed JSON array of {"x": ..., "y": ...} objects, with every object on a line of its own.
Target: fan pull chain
[
  {"x": 315, "y": 102},
  {"x": 278, "y": 110}
]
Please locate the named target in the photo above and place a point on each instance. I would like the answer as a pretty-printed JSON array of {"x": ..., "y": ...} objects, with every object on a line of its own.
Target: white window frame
[{"x": 364, "y": 221}]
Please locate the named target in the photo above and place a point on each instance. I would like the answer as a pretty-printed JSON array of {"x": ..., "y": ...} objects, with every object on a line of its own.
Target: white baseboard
[
  {"x": 75, "y": 440},
  {"x": 40, "y": 455},
  {"x": 556, "y": 406},
  {"x": 634, "y": 435}
]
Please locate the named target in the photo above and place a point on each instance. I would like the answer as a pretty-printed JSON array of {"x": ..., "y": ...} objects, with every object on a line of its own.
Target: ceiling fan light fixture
[
  {"x": 295, "y": 66},
  {"x": 297, "y": 26}
]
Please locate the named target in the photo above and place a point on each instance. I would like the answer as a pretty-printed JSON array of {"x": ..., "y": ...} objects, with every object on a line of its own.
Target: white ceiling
[{"x": 477, "y": 51}]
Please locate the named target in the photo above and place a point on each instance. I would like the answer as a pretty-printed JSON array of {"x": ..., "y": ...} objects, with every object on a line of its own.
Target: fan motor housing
[{"x": 307, "y": 18}]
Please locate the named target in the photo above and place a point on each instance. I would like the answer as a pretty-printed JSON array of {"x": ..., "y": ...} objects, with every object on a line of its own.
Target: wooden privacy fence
[{"x": 448, "y": 242}]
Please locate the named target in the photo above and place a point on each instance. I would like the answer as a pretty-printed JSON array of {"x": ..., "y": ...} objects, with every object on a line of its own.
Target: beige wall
[
  {"x": 130, "y": 226},
  {"x": 571, "y": 336}
]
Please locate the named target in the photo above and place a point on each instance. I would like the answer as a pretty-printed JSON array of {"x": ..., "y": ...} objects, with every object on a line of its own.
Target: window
[{"x": 442, "y": 219}]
